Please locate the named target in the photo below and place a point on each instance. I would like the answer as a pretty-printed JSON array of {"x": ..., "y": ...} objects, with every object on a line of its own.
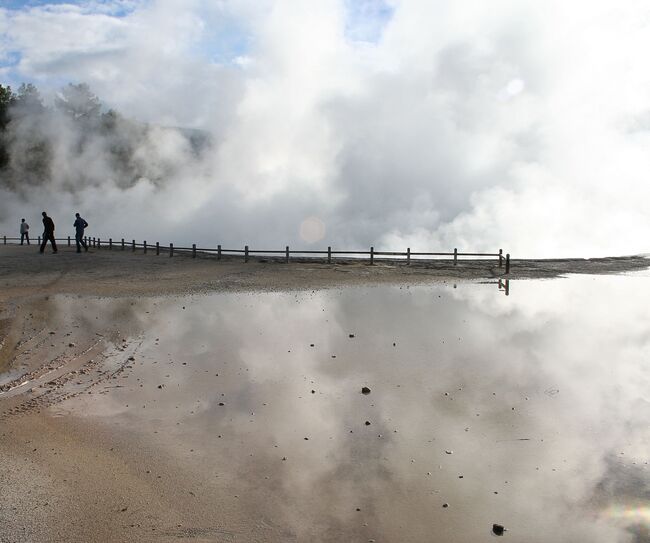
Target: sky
[{"x": 429, "y": 124}]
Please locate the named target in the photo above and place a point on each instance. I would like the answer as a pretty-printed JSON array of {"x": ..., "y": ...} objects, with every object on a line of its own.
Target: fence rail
[{"x": 123, "y": 244}]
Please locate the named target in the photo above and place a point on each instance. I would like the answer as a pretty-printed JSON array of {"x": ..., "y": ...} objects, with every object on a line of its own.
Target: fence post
[
  {"x": 99, "y": 243},
  {"x": 68, "y": 241},
  {"x": 287, "y": 254},
  {"x": 455, "y": 257},
  {"x": 157, "y": 248},
  {"x": 193, "y": 250},
  {"x": 144, "y": 246},
  {"x": 171, "y": 250},
  {"x": 218, "y": 252},
  {"x": 110, "y": 243},
  {"x": 329, "y": 255},
  {"x": 372, "y": 255},
  {"x": 39, "y": 240},
  {"x": 5, "y": 239},
  {"x": 500, "y": 258},
  {"x": 122, "y": 243},
  {"x": 508, "y": 263},
  {"x": 408, "y": 256},
  {"x": 246, "y": 253},
  {"x": 133, "y": 245}
]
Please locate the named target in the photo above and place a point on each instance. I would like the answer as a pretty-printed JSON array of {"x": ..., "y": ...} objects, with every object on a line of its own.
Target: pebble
[{"x": 365, "y": 390}]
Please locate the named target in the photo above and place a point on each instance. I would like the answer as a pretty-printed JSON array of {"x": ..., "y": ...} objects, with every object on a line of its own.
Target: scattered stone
[
  {"x": 449, "y": 452},
  {"x": 350, "y": 335},
  {"x": 445, "y": 505},
  {"x": 365, "y": 390},
  {"x": 311, "y": 344},
  {"x": 71, "y": 345},
  {"x": 131, "y": 358},
  {"x": 313, "y": 392},
  {"x": 161, "y": 386},
  {"x": 367, "y": 423},
  {"x": 221, "y": 403},
  {"x": 497, "y": 529}
]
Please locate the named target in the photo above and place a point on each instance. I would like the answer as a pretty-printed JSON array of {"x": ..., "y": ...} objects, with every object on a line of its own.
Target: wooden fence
[{"x": 285, "y": 254}]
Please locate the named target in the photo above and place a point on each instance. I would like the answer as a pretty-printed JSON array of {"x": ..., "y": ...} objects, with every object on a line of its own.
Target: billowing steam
[{"x": 405, "y": 123}]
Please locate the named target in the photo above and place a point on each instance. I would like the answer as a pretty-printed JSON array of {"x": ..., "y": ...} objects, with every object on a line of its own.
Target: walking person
[
  {"x": 48, "y": 233},
  {"x": 24, "y": 231},
  {"x": 80, "y": 225}
]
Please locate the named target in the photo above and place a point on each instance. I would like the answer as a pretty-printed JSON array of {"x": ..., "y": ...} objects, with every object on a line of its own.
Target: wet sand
[{"x": 154, "y": 399}]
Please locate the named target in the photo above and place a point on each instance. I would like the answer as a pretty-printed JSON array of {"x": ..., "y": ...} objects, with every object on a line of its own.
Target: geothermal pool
[{"x": 529, "y": 410}]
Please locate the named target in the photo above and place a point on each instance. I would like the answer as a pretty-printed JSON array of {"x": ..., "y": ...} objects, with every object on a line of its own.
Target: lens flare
[
  {"x": 312, "y": 229},
  {"x": 629, "y": 514}
]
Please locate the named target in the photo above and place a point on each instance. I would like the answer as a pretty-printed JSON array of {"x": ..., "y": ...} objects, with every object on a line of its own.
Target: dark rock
[
  {"x": 365, "y": 390},
  {"x": 350, "y": 335},
  {"x": 367, "y": 423},
  {"x": 497, "y": 529},
  {"x": 221, "y": 403}
]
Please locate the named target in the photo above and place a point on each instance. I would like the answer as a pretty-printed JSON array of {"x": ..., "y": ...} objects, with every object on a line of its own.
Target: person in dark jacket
[
  {"x": 80, "y": 225},
  {"x": 48, "y": 233}
]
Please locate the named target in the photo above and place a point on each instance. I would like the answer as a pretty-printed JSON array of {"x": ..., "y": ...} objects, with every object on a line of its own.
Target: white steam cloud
[{"x": 429, "y": 124}]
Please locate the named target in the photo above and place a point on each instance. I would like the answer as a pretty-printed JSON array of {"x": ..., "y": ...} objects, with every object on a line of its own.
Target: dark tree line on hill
[{"x": 75, "y": 142}]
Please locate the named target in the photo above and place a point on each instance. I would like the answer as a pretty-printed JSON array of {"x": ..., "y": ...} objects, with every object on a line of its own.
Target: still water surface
[{"x": 530, "y": 410}]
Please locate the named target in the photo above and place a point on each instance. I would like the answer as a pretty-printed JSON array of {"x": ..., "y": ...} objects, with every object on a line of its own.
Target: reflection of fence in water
[
  {"x": 408, "y": 255},
  {"x": 504, "y": 285}
]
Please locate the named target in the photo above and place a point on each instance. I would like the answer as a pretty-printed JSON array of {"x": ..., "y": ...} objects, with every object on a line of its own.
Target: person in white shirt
[{"x": 24, "y": 232}]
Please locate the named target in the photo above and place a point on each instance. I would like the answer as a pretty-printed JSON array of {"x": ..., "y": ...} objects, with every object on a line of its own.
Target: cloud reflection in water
[{"x": 540, "y": 397}]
